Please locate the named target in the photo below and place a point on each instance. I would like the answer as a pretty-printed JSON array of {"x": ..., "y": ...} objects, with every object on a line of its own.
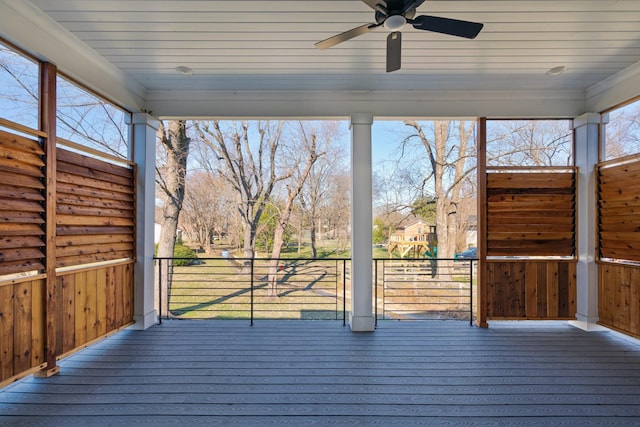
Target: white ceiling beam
[{"x": 382, "y": 104}]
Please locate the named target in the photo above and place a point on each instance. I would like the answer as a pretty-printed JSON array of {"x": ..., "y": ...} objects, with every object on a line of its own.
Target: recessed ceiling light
[
  {"x": 556, "y": 71},
  {"x": 185, "y": 71}
]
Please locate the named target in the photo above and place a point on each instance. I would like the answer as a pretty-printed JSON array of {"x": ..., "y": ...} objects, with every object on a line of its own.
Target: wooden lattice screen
[
  {"x": 619, "y": 210},
  {"x": 95, "y": 210},
  {"x": 619, "y": 240},
  {"x": 46, "y": 312},
  {"x": 530, "y": 213},
  {"x": 21, "y": 208}
]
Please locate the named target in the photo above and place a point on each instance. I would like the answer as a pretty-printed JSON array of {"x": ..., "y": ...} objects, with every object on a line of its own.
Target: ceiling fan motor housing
[{"x": 383, "y": 17}]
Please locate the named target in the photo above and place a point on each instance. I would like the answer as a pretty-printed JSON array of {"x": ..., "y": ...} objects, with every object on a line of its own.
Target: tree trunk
[
  {"x": 248, "y": 252},
  {"x": 274, "y": 263},
  {"x": 300, "y": 228},
  {"x": 314, "y": 248},
  {"x": 171, "y": 183}
]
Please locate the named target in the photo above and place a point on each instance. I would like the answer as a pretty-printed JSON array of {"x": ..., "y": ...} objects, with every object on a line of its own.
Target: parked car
[{"x": 470, "y": 253}]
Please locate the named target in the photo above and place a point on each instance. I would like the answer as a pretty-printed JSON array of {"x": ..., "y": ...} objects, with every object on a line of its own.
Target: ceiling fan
[{"x": 395, "y": 14}]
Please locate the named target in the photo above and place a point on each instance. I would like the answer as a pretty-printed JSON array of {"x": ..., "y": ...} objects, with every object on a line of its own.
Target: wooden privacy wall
[
  {"x": 531, "y": 213},
  {"x": 619, "y": 239},
  {"x": 47, "y": 312},
  {"x": 22, "y": 326},
  {"x": 531, "y": 289},
  {"x": 94, "y": 302},
  {"x": 95, "y": 210},
  {"x": 21, "y": 209},
  {"x": 619, "y": 210},
  {"x": 619, "y": 297}
]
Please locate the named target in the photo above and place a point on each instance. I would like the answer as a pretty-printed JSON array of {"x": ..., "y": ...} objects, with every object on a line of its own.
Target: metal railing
[
  {"x": 424, "y": 289},
  {"x": 253, "y": 288}
]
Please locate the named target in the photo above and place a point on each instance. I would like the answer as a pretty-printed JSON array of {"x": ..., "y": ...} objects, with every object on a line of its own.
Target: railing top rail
[
  {"x": 17, "y": 127},
  {"x": 100, "y": 154}
]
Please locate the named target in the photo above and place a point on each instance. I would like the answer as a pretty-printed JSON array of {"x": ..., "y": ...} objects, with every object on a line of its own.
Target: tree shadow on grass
[
  {"x": 319, "y": 276},
  {"x": 218, "y": 301}
]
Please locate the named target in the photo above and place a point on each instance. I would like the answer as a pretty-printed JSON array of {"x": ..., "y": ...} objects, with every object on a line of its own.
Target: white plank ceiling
[{"x": 264, "y": 46}]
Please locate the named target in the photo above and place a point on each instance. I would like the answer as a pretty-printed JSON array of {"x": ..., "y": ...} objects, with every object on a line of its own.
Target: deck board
[{"x": 319, "y": 373}]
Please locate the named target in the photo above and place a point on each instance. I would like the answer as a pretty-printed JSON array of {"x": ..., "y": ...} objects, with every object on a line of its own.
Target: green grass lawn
[
  {"x": 305, "y": 288},
  {"x": 325, "y": 249},
  {"x": 223, "y": 289}
]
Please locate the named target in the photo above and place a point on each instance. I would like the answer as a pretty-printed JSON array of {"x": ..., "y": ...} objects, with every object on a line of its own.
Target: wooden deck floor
[{"x": 300, "y": 373}]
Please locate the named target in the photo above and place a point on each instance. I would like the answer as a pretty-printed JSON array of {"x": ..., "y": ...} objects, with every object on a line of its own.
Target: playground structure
[{"x": 413, "y": 241}]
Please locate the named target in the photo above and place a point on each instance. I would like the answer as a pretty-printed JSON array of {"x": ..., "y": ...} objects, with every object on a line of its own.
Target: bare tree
[
  {"x": 447, "y": 156},
  {"x": 623, "y": 132},
  {"x": 205, "y": 212},
  {"x": 529, "y": 143},
  {"x": 300, "y": 224},
  {"x": 302, "y": 157},
  {"x": 336, "y": 214},
  {"x": 247, "y": 159},
  {"x": 314, "y": 196},
  {"x": 82, "y": 116},
  {"x": 403, "y": 186},
  {"x": 18, "y": 87}
]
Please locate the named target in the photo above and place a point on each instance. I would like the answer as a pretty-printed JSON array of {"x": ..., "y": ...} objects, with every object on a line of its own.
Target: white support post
[
  {"x": 144, "y": 155},
  {"x": 361, "y": 317},
  {"x": 586, "y": 131}
]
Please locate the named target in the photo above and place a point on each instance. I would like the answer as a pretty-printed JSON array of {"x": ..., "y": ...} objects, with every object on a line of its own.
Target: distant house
[{"x": 413, "y": 239}]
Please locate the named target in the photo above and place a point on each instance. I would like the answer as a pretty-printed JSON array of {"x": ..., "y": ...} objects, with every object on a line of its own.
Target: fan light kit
[
  {"x": 395, "y": 14},
  {"x": 395, "y": 22}
]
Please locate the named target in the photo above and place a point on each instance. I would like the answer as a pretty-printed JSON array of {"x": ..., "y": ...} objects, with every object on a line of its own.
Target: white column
[
  {"x": 586, "y": 131},
  {"x": 143, "y": 153},
  {"x": 361, "y": 316}
]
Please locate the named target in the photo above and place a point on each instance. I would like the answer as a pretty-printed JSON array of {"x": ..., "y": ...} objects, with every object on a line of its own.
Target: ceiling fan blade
[
  {"x": 347, "y": 35},
  {"x": 453, "y": 27},
  {"x": 412, "y": 5},
  {"x": 394, "y": 51},
  {"x": 374, "y": 3}
]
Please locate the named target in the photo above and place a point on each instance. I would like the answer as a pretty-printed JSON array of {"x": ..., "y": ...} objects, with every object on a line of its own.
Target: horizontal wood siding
[
  {"x": 619, "y": 210},
  {"x": 21, "y": 204},
  {"x": 22, "y": 326},
  {"x": 530, "y": 214},
  {"x": 95, "y": 210},
  {"x": 96, "y": 301},
  {"x": 619, "y": 297},
  {"x": 531, "y": 289}
]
